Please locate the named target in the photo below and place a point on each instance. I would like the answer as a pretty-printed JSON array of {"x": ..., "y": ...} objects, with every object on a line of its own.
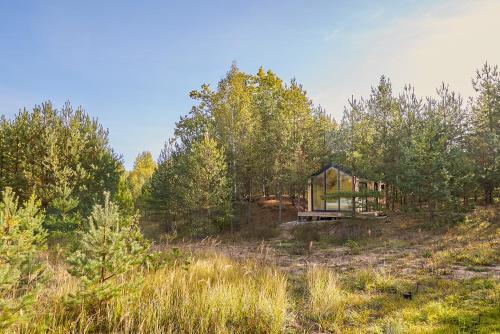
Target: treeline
[
  {"x": 257, "y": 136},
  {"x": 253, "y": 135},
  {"x": 438, "y": 152}
]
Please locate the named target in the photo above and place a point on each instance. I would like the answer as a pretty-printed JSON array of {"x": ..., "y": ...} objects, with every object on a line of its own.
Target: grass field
[{"x": 395, "y": 275}]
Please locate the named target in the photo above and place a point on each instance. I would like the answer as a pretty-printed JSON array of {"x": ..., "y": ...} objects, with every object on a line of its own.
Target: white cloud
[{"x": 444, "y": 43}]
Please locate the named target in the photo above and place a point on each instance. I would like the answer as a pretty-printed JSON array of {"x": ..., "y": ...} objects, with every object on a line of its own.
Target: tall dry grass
[
  {"x": 211, "y": 295},
  {"x": 326, "y": 301}
]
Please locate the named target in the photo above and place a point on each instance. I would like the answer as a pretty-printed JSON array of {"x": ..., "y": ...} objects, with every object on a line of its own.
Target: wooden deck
[
  {"x": 317, "y": 215},
  {"x": 333, "y": 215}
]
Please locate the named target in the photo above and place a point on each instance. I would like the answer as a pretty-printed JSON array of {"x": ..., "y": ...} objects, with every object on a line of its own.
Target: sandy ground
[
  {"x": 397, "y": 245},
  {"x": 401, "y": 244}
]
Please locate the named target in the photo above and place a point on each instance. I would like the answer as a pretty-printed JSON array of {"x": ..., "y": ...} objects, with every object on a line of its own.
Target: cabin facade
[{"x": 325, "y": 190}]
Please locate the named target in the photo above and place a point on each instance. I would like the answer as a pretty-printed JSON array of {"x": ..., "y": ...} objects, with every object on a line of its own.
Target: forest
[{"x": 75, "y": 256}]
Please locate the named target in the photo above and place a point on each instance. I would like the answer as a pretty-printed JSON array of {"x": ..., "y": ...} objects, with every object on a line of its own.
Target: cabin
[{"x": 325, "y": 189}]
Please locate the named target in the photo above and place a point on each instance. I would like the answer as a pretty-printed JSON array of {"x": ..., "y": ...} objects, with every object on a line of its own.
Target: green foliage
[
  {"x": 360, "y": 194},
  {"x": 485, "y": 139},
  {"x": 207, "y": 185},
  {"x": 61, "y": 213},
  {"x": 431, "y": 151},
  {"x": 21, "y": 238},
  {"x": 45, "y": 149},
  {"x": 353, "y": 247},
  {"x": 271, "y": 136},
  {"x": 112, "y": 245},
  {"x": 124, "y": 197},
  {"x": 144, "y": 167}
]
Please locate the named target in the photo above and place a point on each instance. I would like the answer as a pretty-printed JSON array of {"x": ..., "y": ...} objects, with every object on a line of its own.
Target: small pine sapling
[
  {"x": 113, "y": 245},
  {"x": 21, "y": 238}
]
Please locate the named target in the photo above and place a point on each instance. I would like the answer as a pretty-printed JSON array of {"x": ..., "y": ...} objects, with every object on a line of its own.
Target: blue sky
[{"x": 132, "y": 64}]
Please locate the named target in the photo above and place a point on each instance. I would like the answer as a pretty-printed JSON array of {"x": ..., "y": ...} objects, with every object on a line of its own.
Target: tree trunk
[
  {"x": 431, "y": 211},
  {"x": 249, "y": 208},
  {"x": 280, "y": 205},
  {"x": 386, "y": 195},
  {"x": 488, "y": 196}
]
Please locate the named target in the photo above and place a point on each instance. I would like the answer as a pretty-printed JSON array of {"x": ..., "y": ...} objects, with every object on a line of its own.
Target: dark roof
[{"x": 334, "y": 165}]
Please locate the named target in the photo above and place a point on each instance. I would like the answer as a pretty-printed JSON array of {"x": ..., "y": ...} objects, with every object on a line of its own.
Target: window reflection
[
  {"x": 331, "y": 188},
  {"x": 345, "y": 186},
  {"x": 318, "y": 185}
]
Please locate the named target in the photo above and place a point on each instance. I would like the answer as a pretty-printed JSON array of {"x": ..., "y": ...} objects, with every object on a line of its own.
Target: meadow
[{"x": 445, "y": 281}]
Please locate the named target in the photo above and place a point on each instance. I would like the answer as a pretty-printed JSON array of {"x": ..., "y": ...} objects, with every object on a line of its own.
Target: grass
[
  {"x": 326, "y": 300},
  {"x": 213, "y": 294},
  {"x": 210, "y": 293},
  {"x": 475, "y": 242},
  {"x": 369, "y": 301}
]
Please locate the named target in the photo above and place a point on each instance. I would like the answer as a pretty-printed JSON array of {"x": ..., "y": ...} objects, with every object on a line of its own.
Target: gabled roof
[{"x": 334, "y": 165}]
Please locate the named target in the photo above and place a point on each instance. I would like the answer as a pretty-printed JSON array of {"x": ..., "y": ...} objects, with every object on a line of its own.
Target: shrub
[
  {"x": 353, "y": 247},
  {"x": 307, "y": 233},
  {"x": 427, "y": 254}
]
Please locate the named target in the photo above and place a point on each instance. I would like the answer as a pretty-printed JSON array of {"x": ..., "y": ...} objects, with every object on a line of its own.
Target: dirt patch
[{"x": 402, "y": 245}]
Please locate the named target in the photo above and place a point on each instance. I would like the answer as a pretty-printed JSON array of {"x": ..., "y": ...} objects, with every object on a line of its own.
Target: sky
[{"x": 132, "y": 64}]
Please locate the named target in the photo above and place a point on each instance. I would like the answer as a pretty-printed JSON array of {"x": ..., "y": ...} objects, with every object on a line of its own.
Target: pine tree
[
  {"x": 45, "y": 149},
  {"x": 208, "y": 189},
  {"x": 21, "y": 238},
  {"x": 62, "y": 214},
  {"x": 486, "y": 133},
  {"x": 112, "y": 245}
]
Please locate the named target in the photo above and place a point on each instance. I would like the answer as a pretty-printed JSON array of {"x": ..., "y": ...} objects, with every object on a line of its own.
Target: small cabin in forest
[{"x": 330, "y": 193}]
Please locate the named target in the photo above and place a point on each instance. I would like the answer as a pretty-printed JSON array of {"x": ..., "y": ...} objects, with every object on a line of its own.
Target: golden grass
[
  {"x": 326, "y": 299},
  {"x": 213, "y": 295}
]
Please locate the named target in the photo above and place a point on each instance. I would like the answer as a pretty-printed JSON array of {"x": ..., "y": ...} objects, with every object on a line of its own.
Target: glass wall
[
  {"x": 345, "y": 186},
  {"x": 332, "y": 188},
  {"x": 318, "y": 190},
  {"x": 330, "y": 182}
]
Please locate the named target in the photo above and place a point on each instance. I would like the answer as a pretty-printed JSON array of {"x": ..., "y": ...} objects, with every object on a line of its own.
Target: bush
[
  {"x": 307, "y": 233},
  {"x": 353, "y": 247},
  {"x": 427, "y": 254}
]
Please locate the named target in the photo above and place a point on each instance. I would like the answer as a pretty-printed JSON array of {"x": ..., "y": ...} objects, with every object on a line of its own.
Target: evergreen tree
[
  {"x": 61, "y": 213},
  {"x": 45, "y": 149},
  {"x": 21, "y": 238},
  {"x": 485, "y": 141},
  {"x": 111, "y": 246},
  {"x": 208, "y": 190}
]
